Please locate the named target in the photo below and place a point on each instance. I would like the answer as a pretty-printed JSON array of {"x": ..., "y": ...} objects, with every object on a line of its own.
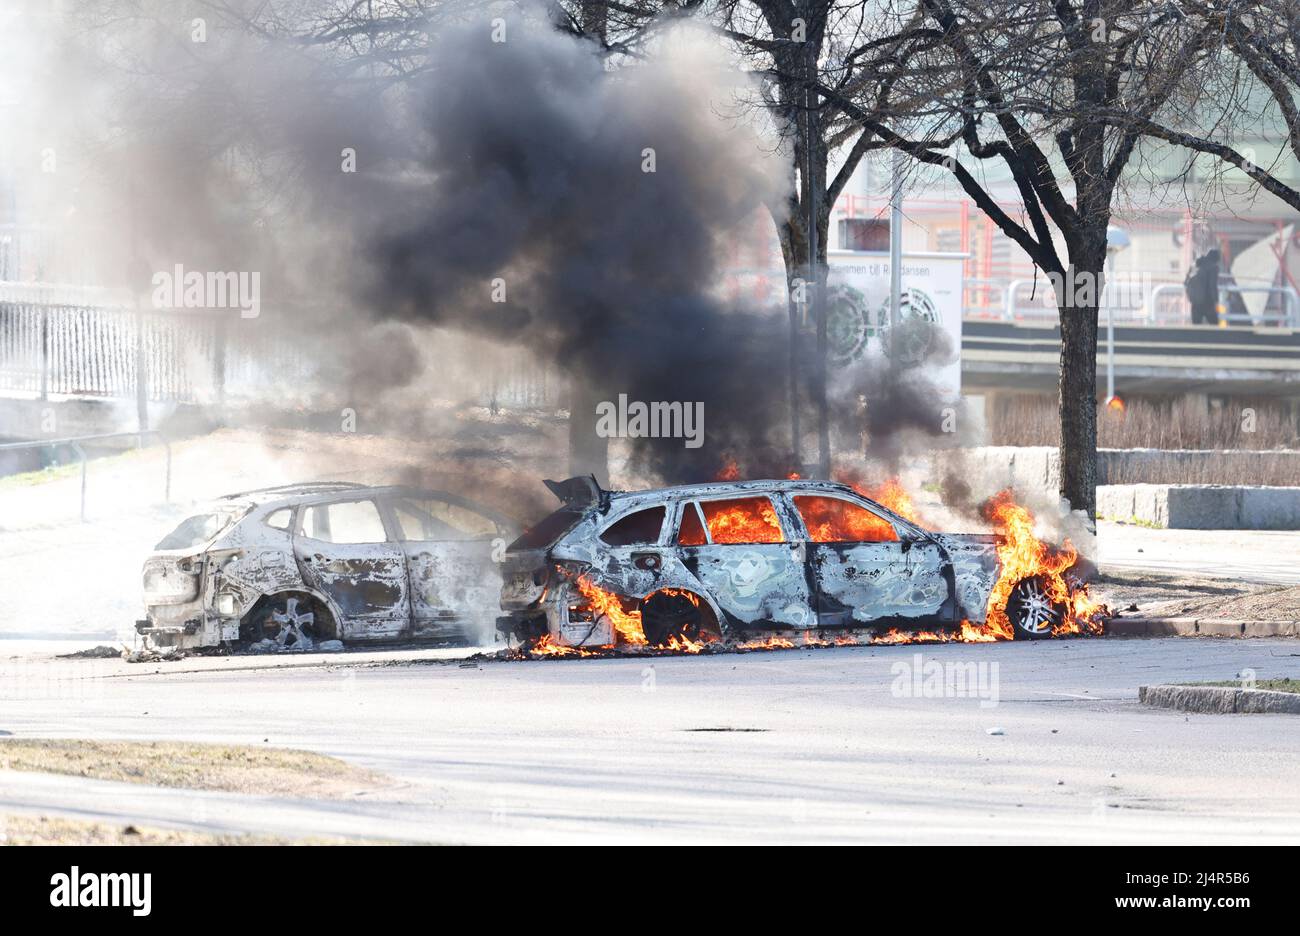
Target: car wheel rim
[
  {"x": 292, "y": 624},
  {"x": 1037, "y": 615}
]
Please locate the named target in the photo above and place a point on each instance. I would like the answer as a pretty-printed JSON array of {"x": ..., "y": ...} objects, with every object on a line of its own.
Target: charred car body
[
  {"x": 308, "y": 563},
  {"x": 732, "y": 560}
]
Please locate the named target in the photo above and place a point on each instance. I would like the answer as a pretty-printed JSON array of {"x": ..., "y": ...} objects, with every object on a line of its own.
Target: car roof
[
  {"x": 316, "y": 492},
  {"x": 634, "y": 499},
  {"x": 293, "y": 493},
  {"x": 713, "y": 488}
]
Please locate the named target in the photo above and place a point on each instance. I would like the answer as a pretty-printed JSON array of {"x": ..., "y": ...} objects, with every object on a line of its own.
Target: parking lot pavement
[
  {"x": 972, "y": 743},
  {"x": 1254, "y": 556}
]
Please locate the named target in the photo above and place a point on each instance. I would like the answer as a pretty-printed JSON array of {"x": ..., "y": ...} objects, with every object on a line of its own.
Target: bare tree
[
  {"x": 1036, "y": 89},
  {"x": 1248, "y": 83}
]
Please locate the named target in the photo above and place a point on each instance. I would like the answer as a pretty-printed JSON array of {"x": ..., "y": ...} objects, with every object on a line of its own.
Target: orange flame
[
  {"x": 1023, "y": 555},
  {"x": 744, "y": 520},
  {"x": 546, "y": 646},
  {"x": 626, "y": 624},
  {"x": 830, "y": 520},
  {"x": 628, "y": 631},
  {"x": 770, "y": 642},
  {"x": 889, "y": 494}
]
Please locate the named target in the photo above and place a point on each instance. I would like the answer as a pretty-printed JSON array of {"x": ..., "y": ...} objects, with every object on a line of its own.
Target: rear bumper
[
  {"x": 200, "y": 630},
  {"x": 523, "y": 625},
  {"x": 147, "y": 628}
]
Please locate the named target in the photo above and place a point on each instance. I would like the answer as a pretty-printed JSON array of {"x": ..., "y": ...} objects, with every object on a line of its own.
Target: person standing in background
[{"x": 1202, "y": 286}]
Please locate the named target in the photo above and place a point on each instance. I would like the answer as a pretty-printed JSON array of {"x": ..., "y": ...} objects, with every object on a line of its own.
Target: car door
[
  {"x": 343, "y": 550},
  {"x": 455, "y": 582},
  {"x": 633, "y": 558},
  {"x": 865, "y": 569},
  {"x": 739, "y": 550}
]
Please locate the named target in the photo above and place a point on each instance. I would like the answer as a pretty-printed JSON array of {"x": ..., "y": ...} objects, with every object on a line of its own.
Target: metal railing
[
  {"x": 1287, "y": 317},
  {"x": 52, "y": 349},
  {"x": 1152, "y": 311},
  {"x": 75, "y": 443}
]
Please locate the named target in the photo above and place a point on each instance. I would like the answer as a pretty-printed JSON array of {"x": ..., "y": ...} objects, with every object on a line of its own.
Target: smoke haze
[{"x": 514, "y": 192}]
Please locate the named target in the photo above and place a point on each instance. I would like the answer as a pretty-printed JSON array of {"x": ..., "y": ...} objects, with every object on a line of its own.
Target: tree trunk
[{"x": 1078, "y": 385}]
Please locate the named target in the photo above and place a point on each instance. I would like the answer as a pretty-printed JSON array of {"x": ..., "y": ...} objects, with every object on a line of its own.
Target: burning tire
[
  {"x": 670, "y": 613},
  {"x": 292, "y": 621},
  {"x": 1031, "y": 610}
]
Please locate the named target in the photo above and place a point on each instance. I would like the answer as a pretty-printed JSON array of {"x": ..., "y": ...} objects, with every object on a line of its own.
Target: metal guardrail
[{"x": 74, "y": 442}]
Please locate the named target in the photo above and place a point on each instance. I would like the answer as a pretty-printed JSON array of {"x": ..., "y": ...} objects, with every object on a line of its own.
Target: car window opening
[
  {"x": 194, "y": 531},
  {"x": 832, "y": 520},
  {"x": 438, "y": 521},
  {"x": 639, "y": 528},
  {"x": 744, "y": 520},
  {"x": 352, "y": 522},
  {"x": 691, "y": 530},
  {"x": 544, "y": 533}
]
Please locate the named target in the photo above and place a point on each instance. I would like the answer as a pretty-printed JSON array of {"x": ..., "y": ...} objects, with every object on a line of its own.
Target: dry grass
[
  {"x": 1268, "y": 468},
  {"x": 50, "y": 830},
  {"x": 1184, "y": 423},
  {"x": 1235, "y": 455},
  {"x": 231, "y": 768}
]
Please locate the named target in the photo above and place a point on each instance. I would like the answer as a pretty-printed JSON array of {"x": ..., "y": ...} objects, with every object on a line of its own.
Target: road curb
[
  {"x": 1220, "y": 700},
  {"x": 1140, "y": 626}
]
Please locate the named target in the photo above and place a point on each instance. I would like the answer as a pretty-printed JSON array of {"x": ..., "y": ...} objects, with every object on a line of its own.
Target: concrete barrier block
[
  {"x": 1116, "y": 501},
  {"x": 1126, "y": 627},
  {"x": 1270, "y": 508},
  {"x": 1171, "y": 627},
  {"x": 1203, "y": 507},
  {"x": 1272, "y": 629},
  {"x": 1213, "y": 628},
  {"x": 1214, "y": 700},
  {"x": 1220, "y": 700}
]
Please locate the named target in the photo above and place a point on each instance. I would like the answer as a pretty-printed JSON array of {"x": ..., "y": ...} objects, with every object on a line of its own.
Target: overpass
[{"x": 1238, "y": 360}]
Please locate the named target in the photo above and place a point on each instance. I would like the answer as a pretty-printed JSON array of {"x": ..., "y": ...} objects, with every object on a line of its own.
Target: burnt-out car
[
  {"x": 733, "y": 560},
  {"x": 304, "y": 564}
]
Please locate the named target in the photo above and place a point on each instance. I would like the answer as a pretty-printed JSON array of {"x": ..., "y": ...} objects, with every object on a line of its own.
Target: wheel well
[
  {"x": 709, "y": 617},
  {"x": 319, "y": 605}
]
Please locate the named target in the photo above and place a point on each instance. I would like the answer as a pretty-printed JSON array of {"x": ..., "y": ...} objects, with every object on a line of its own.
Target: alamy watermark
[
  {"x": 179, "y": 289},
  {"x": 918, "y": 679},
  {"x": 1081, "y": 289},
  {"x": 84, "y": 889},
  {"x": 638, "y": 420}
]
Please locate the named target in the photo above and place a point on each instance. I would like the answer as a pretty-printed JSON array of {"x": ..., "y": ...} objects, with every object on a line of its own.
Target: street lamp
[{"x": 1117, "y": 239}]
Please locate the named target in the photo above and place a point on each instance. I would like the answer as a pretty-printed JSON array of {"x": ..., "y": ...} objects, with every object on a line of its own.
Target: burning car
[
  {"x": 733, "y": 560},
  {"x": 302, "y": 564}
]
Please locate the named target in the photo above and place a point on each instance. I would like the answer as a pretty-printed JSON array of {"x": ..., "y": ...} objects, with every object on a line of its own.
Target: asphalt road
[{"x": 844, "y": 745}]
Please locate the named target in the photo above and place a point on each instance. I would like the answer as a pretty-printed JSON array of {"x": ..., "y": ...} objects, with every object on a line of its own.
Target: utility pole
[
  {"x": 895, "y": 253},
  {"x": 141, "y": 351}
]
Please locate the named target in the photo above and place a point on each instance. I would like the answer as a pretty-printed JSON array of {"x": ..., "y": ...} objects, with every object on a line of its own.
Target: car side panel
[
  {"x": 763, "y": 584},
  {"x": 454, "y": 585},
  {"x": 858, "y": 583},
  {"x": 975, "y": 565}
]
